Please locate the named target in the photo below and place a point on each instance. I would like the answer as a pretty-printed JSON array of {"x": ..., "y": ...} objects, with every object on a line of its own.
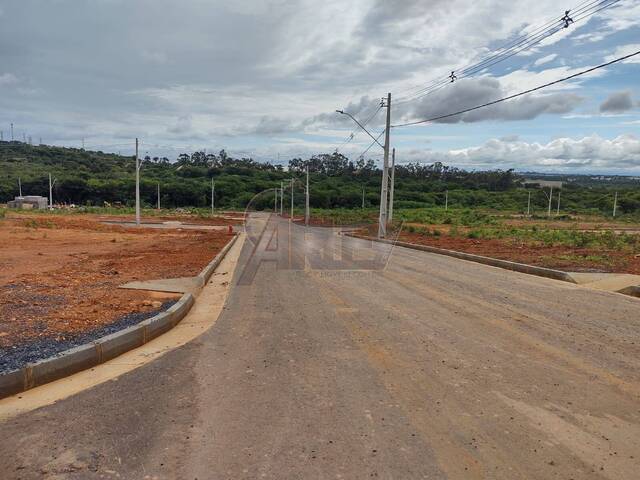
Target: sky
[{"x": 263, "y": 78}]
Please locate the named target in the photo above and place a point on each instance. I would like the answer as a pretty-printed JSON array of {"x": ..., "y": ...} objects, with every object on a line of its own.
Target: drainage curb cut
[
  {"x": 106, "y": 348},
  {"x": 494, "y": 262}
]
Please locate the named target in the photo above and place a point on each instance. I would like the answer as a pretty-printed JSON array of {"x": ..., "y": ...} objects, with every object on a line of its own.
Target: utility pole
[
  {"x": 558, "y": 210},
  {"x": 213, "y": 196},
  {"x": 382, "y": 222},
  {"x": 40, "y": 141},
  {"x": 529, "y": 205},
  {"x": 12, "y": 132},
  {"x": 550, "y": 197},
  {"x": 306, "y": 207},
  {"x": 1, "y": 136},
  {"x": 158, "y": 195},
  {"x": 19, "y": 187},
  {"x": 51, "y": 192},
  {"x": 615, "y": 204},
  {"x": 137, "y": 183},
  {"x": 281, "y": 198},
  {"x": 446, "y": 200},
  {"x": 393, "y": 180},
  {"x": 291, "y": 216},
  {"x": 275, "y": 200}
]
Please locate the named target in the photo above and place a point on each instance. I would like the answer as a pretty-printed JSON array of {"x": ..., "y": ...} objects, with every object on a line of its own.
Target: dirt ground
[
  {"x": 59, "y": 274},
  {"x": 559, "y": 257}
]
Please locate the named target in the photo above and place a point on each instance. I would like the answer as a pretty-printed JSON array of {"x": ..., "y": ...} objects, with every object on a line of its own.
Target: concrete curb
[
  {"x": 634, "y": 291},
  {"x": 207, "y": 271},
  {"x": 106, "y": 348},
  {"x": 494, "y": 262}
]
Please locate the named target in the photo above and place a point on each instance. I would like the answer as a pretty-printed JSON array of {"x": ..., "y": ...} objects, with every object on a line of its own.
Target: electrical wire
[
  {"x": 517, "y": 46},
  {"x": 539, "y": 87},
  {"x": 372, "y": 144},
  {"x": 528, "y": 40},
  {"x": 355, "y": 132}
]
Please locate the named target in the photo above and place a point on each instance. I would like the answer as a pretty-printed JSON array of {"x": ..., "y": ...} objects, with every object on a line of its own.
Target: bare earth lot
[
  {"x": 559, "y": 257},
  {"x": 59, "y": 275}
]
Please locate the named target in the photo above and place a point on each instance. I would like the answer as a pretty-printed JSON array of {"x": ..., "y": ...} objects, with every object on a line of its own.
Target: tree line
[{"x": 92, "y": 178}]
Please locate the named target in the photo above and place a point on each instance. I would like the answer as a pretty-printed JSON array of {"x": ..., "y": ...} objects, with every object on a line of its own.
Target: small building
[{"x": 29, "y": 202}]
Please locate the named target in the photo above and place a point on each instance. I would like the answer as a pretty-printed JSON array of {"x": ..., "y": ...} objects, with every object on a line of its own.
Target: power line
[
  {"x": 372, "y": 144},
  {"x": 513, "y": 48},
  {"x": 535, "y": 36},
  {"x": 355, "y": 132},
  {"x": 441, "y": 117}
]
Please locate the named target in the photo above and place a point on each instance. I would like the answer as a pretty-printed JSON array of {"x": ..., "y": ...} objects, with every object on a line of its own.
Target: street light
[{"x": 342, "y": 112}]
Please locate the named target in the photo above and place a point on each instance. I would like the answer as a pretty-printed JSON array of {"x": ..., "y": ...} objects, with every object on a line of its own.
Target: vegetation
[{"x": 100, "y": 179}]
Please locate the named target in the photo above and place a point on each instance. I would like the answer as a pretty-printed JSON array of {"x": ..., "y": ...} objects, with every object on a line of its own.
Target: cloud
[
  {"x": 472, "y": 92},
  {"x": 623, "y": 51},
  {"x": 8, "y": 79},
  {"x": 183, "y": 124},
  {"x": 545, "y": 59},
  {"x": 617, "y": 102},
  {"x": 588, "y": 153},
  {"x": 245, "y": 73}
]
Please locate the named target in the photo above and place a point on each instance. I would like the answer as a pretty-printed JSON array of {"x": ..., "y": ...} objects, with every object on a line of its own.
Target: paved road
[{"x": 430, "y": 368}]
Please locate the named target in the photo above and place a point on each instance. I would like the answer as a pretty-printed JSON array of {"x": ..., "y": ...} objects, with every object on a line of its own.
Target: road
[{"x": 428, "y": 368}]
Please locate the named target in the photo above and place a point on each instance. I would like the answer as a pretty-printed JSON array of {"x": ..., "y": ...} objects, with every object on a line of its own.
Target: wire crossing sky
[{"x": 263, "y": 78}]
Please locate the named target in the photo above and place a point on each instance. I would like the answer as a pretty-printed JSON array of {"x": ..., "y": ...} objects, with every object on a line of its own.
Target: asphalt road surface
[{"x": 407, "y": 366}]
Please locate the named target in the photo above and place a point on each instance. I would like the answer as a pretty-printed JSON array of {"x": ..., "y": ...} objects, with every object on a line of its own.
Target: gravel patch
[{"x": 17, "y": 356}]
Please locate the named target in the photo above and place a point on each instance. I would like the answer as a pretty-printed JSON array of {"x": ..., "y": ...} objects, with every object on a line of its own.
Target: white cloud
[
  {"x": 588, "y": 153},
  {"x": 625, "y": 50},
  {"x": 545, "y": 59}
]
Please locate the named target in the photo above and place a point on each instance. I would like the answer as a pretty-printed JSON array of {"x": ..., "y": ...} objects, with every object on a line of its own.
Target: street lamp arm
[{"x": 342, "y": 112}]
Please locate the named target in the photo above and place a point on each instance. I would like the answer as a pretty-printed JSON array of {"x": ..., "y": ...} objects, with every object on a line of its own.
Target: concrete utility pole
[
  {"x": 558, "y": 210},
  {"x": 275, "y": 200},
  {"x": 19, "y": 187},
  {"x": 615, "y": 203},
  {"x": 158, "y": 195},
  {"x": 550, "y": 197},
  {"x": 382, "y": 222},
  {"x": 306, "y": 207},
  {"x": 291, "y": 216},
  {"x": 393, "y": 181},
  {"x": 137, "y": 183},
  {"x": 213, "y": 196},
  {"x": 529, "y": 205},
  {"x": 281, "y": 198},
  {"x": 51, "y": 184}
]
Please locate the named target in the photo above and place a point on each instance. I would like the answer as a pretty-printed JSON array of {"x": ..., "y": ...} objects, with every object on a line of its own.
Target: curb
[
  {"x": 634, "y": 291},
  {"x": 207, "y": 271},
  {"x": 494, "y": 262},
  {"x": 106, "y": 348}
]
